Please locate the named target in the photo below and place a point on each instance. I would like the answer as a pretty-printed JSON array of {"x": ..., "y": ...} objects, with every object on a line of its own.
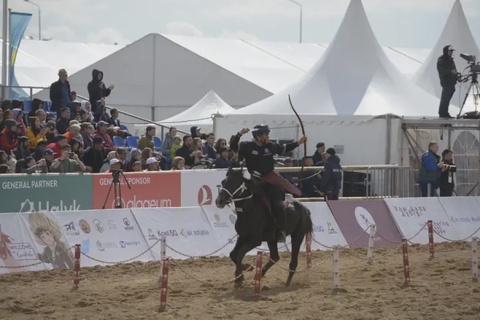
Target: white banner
[
  {"x": 17, "y": 247},
  {"x": 411, "y": 214},
  {"x": 200, "y": 188},
  {"x": 325, "y": 227},
  {"x": 464, "y": 213},
  {"x": 105, "y": 235},
  {"x": 188, "y": 231}
]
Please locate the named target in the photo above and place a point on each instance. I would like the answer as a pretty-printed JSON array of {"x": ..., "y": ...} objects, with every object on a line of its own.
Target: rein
[{"x": 240, "y": 189}]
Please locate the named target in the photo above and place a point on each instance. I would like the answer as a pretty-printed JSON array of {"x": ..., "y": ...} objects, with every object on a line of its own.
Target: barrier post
[
  {"x": 430, "y": 239},
  {"x": 164, "y": 285},
  {"x": 308, "y": 249},
  {"x": 163, "y": 254},
  {"x": 258, "y": 274},
  {"x": 76, "y": 275},
  {"x": 336, "y": 267},
  {"x": 371, "y": 242},
  {"x": 474, "y": 260},
  {"x": 406, "y": 267}
]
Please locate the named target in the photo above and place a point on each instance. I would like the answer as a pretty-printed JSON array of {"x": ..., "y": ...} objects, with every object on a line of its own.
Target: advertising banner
[
  {"x": 17, "y": 247},
  {"x": 105, "y": 235},
  {"x": 355, "y": 216},
  {"x": 326, "y": 232},
  {"x": 200, "y": 188},
  {"x": 148, "y": 190},
  {"x": 29, "y": 193},
  {"x": 411, "y": 214},
  {"x": 464, "y": 213},
  {"x": 187, "y": 231}
]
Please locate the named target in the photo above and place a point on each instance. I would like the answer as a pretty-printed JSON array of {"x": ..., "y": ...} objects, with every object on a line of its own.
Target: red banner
[{"x": 148, "y": 190}]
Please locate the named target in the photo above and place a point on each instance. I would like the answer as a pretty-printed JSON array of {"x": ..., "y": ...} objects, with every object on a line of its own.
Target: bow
[{"x": 304, "y": 145}]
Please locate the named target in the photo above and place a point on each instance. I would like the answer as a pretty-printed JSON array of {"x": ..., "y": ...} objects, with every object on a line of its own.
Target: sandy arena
[{"x": 440, "y": 289}]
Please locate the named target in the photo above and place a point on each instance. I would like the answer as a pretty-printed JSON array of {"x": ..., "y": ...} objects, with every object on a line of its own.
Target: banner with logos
[
  {"x": 464, "y": 213},
  {"x": 29, "y": 193},
  {"x": 105, "y": 235},
  {"x": 411, "y": 214},
  {"x": 187, "y": 230},
  {"x": 355, "y": 216},
  {"x": 148, "y": 190},
  {"x": 17, "y": 246},
  {"x": 200, "y": 188}
]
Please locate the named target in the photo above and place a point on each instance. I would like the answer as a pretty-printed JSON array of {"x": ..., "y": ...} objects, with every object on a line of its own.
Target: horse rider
[{"x": 258, "y": 155}]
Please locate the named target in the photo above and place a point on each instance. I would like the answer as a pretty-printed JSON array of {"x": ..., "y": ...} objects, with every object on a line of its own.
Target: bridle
[{"x": 240, "y": 189}]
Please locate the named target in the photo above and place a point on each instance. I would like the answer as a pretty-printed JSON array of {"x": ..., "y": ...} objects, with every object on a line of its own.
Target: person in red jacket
[
  {"x": 60, "y": 141},
  {"x": 8, "y": 137}
]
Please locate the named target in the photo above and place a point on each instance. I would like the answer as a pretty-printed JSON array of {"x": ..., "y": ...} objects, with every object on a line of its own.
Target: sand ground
[{"x": 440, "y": 289}]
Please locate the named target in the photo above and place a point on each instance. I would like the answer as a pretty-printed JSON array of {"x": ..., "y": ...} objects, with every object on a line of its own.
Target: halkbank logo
[{"x": 60, "y": 205}]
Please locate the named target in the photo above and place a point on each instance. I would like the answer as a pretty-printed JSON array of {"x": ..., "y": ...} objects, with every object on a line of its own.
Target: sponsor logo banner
[
  {"x": 45, "y": 193},
  {"x": 148, "y": 190},
  {"x": 354, "y": 216},
  {"x": 464, "y": 213},
  {"x": 200, "y": 188},
  {"x": 411, "y": 215}
]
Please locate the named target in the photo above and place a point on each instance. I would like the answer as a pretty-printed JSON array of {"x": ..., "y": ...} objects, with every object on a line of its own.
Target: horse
[{"x": 255, "y": 222}]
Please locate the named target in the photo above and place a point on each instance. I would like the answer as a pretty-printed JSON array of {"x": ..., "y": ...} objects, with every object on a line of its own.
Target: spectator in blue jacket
[
  {"x": 332, "y": 175},
  {"x": 430, "y": 170},
  {"x": 223, "y": 161}
]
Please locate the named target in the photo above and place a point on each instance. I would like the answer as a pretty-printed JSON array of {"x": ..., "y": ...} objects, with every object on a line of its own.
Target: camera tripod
[
  {"x": 117, "y": 189},
  {"x": 475, "y": 88}
]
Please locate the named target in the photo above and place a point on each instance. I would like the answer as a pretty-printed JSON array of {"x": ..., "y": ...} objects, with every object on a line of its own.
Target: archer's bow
[{"x": 304, "y": 145}]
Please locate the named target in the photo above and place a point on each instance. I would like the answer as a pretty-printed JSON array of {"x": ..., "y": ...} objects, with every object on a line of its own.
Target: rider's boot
[{"x": 281, "y": 220}]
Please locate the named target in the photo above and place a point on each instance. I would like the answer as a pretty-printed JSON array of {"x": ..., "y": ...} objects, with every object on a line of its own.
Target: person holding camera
[
  {"x": 69, "y": 162},
  {"x": 446, "y": 176},
  {"x": 430, "y": 169},
  {"x": 447, "y": 71}
]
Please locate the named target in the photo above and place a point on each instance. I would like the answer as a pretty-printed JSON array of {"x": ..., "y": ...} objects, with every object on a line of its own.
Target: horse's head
[{"x": 233, "y": 187}]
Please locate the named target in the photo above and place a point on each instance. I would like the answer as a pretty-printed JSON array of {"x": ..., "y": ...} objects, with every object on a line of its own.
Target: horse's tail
[{"x": 306, "y": 219}]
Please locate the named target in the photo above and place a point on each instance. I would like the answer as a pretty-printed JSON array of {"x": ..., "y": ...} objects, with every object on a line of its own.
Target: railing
[{"x": 4, "y": 89}]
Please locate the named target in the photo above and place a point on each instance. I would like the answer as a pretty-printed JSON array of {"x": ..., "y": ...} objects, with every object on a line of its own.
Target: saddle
[{"x": 282, "y": 183}]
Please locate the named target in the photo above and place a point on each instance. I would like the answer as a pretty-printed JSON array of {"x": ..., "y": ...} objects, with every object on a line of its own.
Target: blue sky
[{"x": 405, "y": 23}]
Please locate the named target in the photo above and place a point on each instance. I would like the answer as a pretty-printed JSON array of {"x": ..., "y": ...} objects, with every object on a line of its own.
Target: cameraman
[
  {"x": 446, "y": 177},
  {"x": 447, "y": 71}
]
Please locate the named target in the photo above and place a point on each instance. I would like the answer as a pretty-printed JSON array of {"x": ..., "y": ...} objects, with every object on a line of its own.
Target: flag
[{"x": 18, "y": 24}]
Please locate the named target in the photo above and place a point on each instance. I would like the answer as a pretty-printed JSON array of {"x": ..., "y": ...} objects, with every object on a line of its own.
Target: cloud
[
  {"x": 182, "y": 28},
  {"x": 62, "y": 33},
  {"x": 239, "y": 35},
  {"x": 107, "y": 35}
]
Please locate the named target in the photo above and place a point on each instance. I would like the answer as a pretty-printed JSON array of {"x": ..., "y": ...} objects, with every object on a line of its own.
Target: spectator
[
  {"x": 178, "y": 163},
  {"x": 223, "y": 161},
  {"x": 197, "y": 150},
  {"x": 31, "y": 166},
  {"x": 52, "y": 132},
  {"x": 290, "y": 176},
  {"x": 21, "y": 151},
  {"x": 60, "y": 142},
  {"x": 221, "y": 143},
  {"x": 7, "y": 115},
  {"x": 208, "y": 149},
  {"x": 8, "y": 137},
  {"x": 38, "y": 153},
  {"x": 35, "y": 132},
  {"x": 87, "y": 130},
  {"x": 48, "y": 156},
  {"x": 37, "y": 104},
  {"x": 8, "y": 160},
  {"x": 101, "y": 132},
  {"x": 332, "y": 175},
  {"x": 42, "y": 116},
  {"x": 195, "y": 132},
  {"x": 447, "y": 181},
  {"x": 168, "y": 142},
  {"x": 430, "y": 168},
  {"x": 177, "y": 144},
  {"x": 18, "y": 116},
  {"x": 147, "y": 139},
  {"x": 114, "y": 165},
  {"x": 106, "y": 163},
  {"x": 317, "y": 156},
  {"x": 76, "y": 112},
  {"x": 6, "y": 105},
  {"x": 122, "y": 156},
  {"x": 63, "y": 121},
  {"x": 100, "y": 111},
  {"x": 186, "y": 151},
  {"x": 95, "y": 155},
  {"x": 4, "y": 169},
  {"x": 135, "y": 155},
  {"x": 136, "y": 166},
  {"x": 77, "y": 147},
  {"x": 60, "y": 92},
  {"x": 152, "y": 164},
  {"x": 20, "y": 166},
  {"x": 311, "y": 182},
  {"x": 68, "y": 162},
  {"x": 88, "y": 115},
  {"x": 74, "y": 132},
  {"x": 96, "y": 88},
  {"x": 113, "y": 120},
  {"x": 146, "y": 153}
]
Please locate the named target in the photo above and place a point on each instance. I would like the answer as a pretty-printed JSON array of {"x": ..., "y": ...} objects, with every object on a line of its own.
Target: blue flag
[{"x": 18, "y": 24}]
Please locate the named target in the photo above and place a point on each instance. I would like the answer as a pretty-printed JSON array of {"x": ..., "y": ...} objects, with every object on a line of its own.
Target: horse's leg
[
  {"x": 246, "y": 247},
  {"x": 297, "y": 239},
  {"x": 233, "y": 253},
  {"x": 274, "y": 256}
]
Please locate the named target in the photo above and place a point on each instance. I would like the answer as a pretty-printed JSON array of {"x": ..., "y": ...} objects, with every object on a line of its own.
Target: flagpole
[{"x": 4, "y": 48}]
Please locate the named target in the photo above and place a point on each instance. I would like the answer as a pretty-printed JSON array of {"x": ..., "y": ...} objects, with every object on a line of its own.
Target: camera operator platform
[
  {"x": 474, "y": 87},
  {"x": 115, "y": 170}
]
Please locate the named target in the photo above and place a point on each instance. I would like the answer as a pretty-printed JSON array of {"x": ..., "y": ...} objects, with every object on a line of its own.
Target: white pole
[
  {"x": 474, "y": 260},
  {"x": 336, "y": 268},
  {"x": 371, "y": 243},
  {"x": 4, "y": 48}
]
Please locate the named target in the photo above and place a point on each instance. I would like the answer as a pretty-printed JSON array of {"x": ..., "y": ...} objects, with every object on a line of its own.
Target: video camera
[{"x": 472, "y": 61}]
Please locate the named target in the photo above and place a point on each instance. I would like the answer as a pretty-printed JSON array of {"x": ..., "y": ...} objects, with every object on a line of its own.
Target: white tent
[
  {"x": 354, "y": 77},
  {"x": 200, "y": 114},
  {"x": 458, "y": 34}
]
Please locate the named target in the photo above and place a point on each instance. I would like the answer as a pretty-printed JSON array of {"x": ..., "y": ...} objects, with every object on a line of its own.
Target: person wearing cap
[
  {"x": 332, "y": 175},
  {"x": 9, "y": 137},
  {"x": 115, "y": 165},
  {"x": 317, "y": 156},
  {"x": 447, "y": 71},
  {"x": 48, "y": 156},
  {"x": 152, "y": 164},
  {"x": 223, "y": 161},
  {"x": 60, "y": 92},
  {"x": 21, "y": 151},
  {"x": 136, "y": 166},
  {"x": 101, "y": 132},
  {"x": 94, "y": 156},
  {"x": 60, "y": 141},
  {"x": 68, "y": 162}
]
